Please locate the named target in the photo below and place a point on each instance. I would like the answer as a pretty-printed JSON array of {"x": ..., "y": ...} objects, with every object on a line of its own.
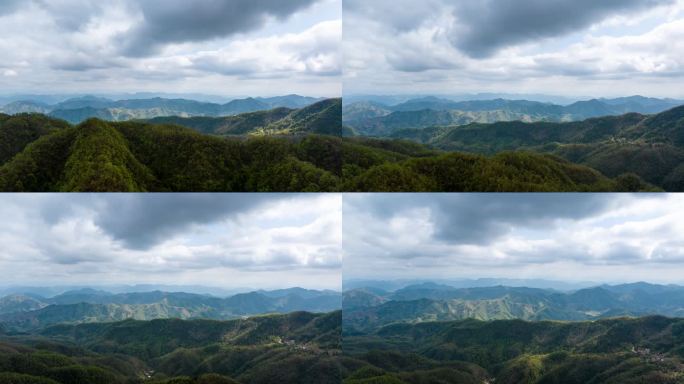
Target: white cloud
[
  {"x": 84, "y": 46},
  {"x": 617, "y": 238},
  {"x": 62, "y": 240},
  {"x": 616, "y": 49}
]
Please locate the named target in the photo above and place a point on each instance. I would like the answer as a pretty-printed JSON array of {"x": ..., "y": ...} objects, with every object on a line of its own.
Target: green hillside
[
  {"x": 131, "y": 156},
  {"x": 320, "y": 118},
  {"x": 138, "y": 156},
  {"x": 651, "y": 147},
  {"x": 400, "y": 166},
  {"x": 295, "y": 348},
  {"x": 644, "y": 350}
]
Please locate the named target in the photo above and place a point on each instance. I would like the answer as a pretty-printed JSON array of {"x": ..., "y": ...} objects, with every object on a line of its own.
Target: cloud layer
[
  {"x": 568, "y": 237},
  {"x": 223, "y": 240},
  {"x": 230, "y": 48},
  {"x": 589, "y": 48}
]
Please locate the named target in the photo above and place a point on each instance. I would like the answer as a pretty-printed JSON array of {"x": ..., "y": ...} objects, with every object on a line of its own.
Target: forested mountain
[
  {"x": 643, "y": 350},
  {"x": 43, "y": 154},
  {"x": 651, "y": 146},
  {"x": 296, "y": 348},
  {"x": 49, "y": 155},
  {"x": 366, "y": 310},
  {"x": 21, "y": 313},
  {"x": 79, "y": 109},
  {"x": 375, "y": 119},
  {"x": 321, "y": 118},
  {"x": 401, "y": 166}
]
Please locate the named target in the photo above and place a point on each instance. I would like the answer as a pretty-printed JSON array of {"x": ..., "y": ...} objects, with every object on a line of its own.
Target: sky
[
  {"x": 258, "y": 241},
  {"x": 603, "y": 238},
  {"x": 215, "y": 47},
  {"x": 573, "y": 48}
]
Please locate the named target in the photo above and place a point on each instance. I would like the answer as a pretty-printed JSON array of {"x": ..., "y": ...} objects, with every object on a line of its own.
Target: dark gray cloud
[
  {"x": 180, "y": 21},
  {"x": 482, "y": 219},
  {"x": 142, "y": 221},
  {"x": 401, "y": 16},
  {"x": 485, "y": 26},
  {"x": 9, "y": 6}
]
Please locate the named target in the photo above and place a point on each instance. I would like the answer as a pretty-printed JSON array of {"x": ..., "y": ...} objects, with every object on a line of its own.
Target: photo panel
[
  {"x": 170, "y": 288},
  {"x": 513, "y": 96},
  {"x": 513, "y": 288},
  {"x": 170, "y": 96}
]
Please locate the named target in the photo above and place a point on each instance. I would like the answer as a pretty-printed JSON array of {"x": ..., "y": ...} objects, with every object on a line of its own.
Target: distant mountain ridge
[
  {"x": 322, "y": 117},
  {"x": 79, "y": 109},
  {"x": 375, "y": 119},
  {"x": 364, "y": 309},
  {"x": 85, "y": 306}
]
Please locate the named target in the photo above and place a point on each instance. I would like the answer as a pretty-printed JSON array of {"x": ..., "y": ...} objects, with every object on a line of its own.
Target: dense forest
[
  {"x": 644, "y": 350},
  {"x": 296, "y": 348},
  {"x": 296, "y": 154},
  {"x": 649, "y": 146}
]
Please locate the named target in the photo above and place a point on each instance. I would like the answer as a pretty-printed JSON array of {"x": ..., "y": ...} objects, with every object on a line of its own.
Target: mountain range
[
  {"x": 20, "y": 312},
  {"x": 76, "y": 110},
  {"x": 371, "y": 118},
  {"x": 293, "y": 348},
  {"x": 650, "y": 146},
  {"x": 322, "y": 117},
  {"x": 608, "y": 351},
  {"x": 372, "y": 308},
  {"x": 278, "y": 150},
  {"x": 39, "y": 153}
]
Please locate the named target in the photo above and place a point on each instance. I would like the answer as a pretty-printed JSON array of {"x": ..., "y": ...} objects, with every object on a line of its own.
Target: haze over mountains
[
  {"x": 372, "y": 308},
  {"x": 373, "y": 118},
  {"x": 76, "y": 110},
  {"x": 21, "y": 311}
]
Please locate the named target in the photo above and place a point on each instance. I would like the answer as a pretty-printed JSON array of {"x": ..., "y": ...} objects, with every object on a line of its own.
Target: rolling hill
[
  {"x": 644, "y": 350},
  {"x": 44, "y": 154},
  {"x": 47, "y": 155},
  {"x": 295, "y": 348},
  {"x": 650, "y": 146},
  {"x": 320, "y": 118}
]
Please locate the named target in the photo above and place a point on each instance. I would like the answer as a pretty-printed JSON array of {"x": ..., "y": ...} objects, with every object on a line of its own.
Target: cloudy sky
[
  {"x": 560, "y": 47},
  {"x": 216, "y": 240},
  {"x": 217, "y": 47},
  {"x": 607, "y": 238}
]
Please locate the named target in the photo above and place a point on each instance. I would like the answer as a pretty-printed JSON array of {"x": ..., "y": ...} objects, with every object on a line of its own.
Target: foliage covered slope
[
  {"x": 137, "y": 156},
  {"x": 323, "y": 118},
  {"x": 295, "y": 348},
  {"x": 651, "y": 147},
  {"x": 644, "y": 350},
  {"x": 100, "y": 156}
]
